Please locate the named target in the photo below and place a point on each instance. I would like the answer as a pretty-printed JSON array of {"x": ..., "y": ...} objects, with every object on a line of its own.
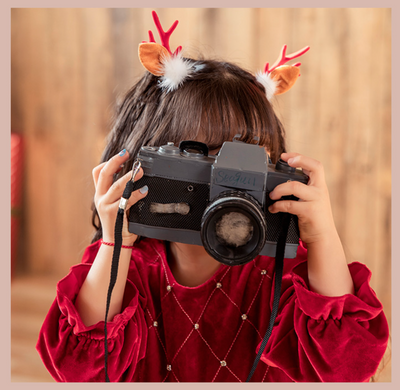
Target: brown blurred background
[{"x": 70, "y": 66}]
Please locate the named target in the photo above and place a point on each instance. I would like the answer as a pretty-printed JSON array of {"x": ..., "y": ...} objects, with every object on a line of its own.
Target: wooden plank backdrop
[{"x": 70, "y": 66}]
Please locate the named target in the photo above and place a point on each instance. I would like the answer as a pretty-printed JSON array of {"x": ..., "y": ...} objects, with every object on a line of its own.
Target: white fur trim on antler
[
  {"x": 269, "y": 84},
  {"x": 175, "y": 71}
]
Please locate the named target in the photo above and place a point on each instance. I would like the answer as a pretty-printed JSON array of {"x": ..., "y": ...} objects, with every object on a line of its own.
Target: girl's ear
[
  {"x": 152, "y": 55},
  {"x": 285, "y": 77}
]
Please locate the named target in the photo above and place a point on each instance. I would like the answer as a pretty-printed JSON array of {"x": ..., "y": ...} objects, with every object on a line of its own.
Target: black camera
[{"x": 220, "y": 202}]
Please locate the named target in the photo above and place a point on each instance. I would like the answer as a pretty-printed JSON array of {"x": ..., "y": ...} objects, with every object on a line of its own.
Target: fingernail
[
  {"x": 292, "y": 160},
  {"x": 270, "y": 209},
  {"x": 122, "y": 152},
  {"x": 271, "y": 194},
  {"x": 144, "y": 189}
]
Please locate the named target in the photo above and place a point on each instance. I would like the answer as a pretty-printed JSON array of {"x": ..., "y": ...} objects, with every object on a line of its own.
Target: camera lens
[{"x": 233, "y": 228}]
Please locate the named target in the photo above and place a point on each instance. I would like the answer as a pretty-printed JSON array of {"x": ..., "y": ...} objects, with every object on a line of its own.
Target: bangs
[{"x": 229, "y": 109}]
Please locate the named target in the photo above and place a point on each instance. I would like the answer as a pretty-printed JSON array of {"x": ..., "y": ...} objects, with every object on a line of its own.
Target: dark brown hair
[{"x": 214, "y": 104}]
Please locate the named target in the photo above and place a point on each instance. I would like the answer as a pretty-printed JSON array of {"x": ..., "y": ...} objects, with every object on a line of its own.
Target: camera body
[{"x": 220, "y": 202}]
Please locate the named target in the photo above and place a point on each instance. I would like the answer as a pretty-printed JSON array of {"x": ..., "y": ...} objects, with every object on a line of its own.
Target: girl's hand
[
  {"x": 108, "y": 195},
  {"x": 313, "y": 208}
]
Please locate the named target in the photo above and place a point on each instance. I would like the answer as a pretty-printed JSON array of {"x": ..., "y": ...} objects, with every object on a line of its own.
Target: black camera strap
[
  {"x": 280, "y": 252},
  {"x": 116, "y": 253}
]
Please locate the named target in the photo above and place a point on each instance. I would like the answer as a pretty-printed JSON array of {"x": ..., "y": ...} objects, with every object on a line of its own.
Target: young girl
[{"x": 177, "y": 314}]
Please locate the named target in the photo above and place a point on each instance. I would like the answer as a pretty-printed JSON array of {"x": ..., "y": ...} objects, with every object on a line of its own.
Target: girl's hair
[{"x": 217, "y": 102}]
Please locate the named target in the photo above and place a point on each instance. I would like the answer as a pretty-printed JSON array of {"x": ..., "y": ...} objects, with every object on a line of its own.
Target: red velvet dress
[{"x": 168, "y": 332}]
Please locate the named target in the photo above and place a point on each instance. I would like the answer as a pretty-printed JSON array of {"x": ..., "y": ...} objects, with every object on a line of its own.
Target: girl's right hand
[{"x": 108, "y": 195}]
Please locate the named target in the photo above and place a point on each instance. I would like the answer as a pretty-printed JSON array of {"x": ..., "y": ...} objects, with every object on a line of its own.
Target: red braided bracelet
[{"x": 112, "y": 244}]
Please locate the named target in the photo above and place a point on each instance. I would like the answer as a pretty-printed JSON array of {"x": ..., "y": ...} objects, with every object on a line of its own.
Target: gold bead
[
  {"x": 263, "y": 272},
  {"x": 169, "y": 288},
  {"x": 169, "y": 368},
  {"x": 244, "y": 317},
  {"x": 223, "y": 363},
  {"x": 155, "y": 323},
  {"x": 219, "y": 285},
  {"x": 196, "y": 326}
]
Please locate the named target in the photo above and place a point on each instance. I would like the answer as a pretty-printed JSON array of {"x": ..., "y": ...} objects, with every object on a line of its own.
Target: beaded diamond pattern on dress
[{"x": 156, "y": 324}]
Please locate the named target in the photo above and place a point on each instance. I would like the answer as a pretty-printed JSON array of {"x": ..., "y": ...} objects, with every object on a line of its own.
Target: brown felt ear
[
  {"x": 286, "y": 76},
  {"x": 151, "y": 55}
]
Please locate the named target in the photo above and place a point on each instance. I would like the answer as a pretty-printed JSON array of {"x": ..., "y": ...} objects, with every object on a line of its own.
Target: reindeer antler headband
[
  {"x": 280, "y": 78},
  {"x": 173, "y": 69},
  {"x": 160, "y": 61}
]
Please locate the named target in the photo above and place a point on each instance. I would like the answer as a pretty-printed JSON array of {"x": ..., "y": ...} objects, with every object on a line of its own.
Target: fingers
[
  {"x": 300, "y": 190},
  {"x": 135, "y": 197},
  {"x": 309, "y": 194},
  {"x": 96, "y": 172},
  {"x": 287, "y": 206},
  {"x": 116, "y": 190},
  {"x": 311, "y": 167},
  {"x": 103, "y": 174}
]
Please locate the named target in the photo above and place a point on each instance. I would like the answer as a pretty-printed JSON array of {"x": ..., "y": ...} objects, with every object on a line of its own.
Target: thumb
[{"x": 136, "y": 196}]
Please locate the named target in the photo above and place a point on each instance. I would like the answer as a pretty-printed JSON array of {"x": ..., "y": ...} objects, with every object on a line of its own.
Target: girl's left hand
[{"x": 313, "y": 208}]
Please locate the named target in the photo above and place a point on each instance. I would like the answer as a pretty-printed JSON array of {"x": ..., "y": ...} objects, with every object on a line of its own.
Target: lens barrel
[{"x": 233, "y": 228}]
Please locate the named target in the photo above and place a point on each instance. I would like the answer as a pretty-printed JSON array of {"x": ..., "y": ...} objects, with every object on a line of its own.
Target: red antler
[
  {"x": 283, "y": 58},
  {"x": 164, "y": 35}
]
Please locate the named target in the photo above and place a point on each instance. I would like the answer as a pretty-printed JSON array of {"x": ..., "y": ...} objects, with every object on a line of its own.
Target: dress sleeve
[
  {"x": 73, "y": 352},
  {"x": 328, "y": 339}
]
